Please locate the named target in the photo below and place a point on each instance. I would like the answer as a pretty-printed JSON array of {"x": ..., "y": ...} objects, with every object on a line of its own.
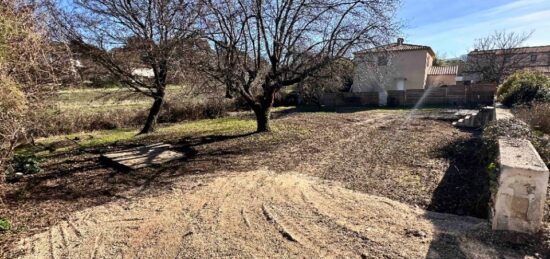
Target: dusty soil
[
  {"x": 426, "y": 164},
  {"x": 255, "y": 214}
]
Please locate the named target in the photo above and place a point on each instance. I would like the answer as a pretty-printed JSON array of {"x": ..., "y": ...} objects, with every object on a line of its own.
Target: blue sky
[{"x": 451, "y": 26}]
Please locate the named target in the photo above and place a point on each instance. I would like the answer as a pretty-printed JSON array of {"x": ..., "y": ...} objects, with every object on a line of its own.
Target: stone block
[{"x": 523, "y": 182}]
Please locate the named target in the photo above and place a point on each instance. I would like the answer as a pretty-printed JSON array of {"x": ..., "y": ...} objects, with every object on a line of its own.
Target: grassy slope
[
  {"x": 105, "y": 99},
  {"x": 218, "y": 126}
]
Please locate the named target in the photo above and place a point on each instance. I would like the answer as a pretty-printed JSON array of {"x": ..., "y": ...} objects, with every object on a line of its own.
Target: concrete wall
[
  {"x": 439, "y": 80},
  {"x": 518, "y": 204},
  {"x": 410, "y": 66},
  {"x": 523, "y": 180}
]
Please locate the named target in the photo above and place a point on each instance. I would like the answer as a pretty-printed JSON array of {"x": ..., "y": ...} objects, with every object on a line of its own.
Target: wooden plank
[{"x": 144, "y": 156}]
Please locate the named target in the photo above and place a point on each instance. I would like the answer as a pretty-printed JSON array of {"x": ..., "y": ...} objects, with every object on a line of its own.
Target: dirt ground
[
  {"x": 213, "y": 197},
  {"x": 259, "y": 213}
]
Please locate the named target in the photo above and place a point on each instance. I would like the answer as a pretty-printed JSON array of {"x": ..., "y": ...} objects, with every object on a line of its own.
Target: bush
[
  {"x": 13, "y": 99},
  {"x": 285, "y": 99},
  {"x": 181, "y": 111},
  {"x": 26, "y": 163},
  {"x": 4, "y": 225},
  {"x": 537, "y": 115},
  {"x": 524, "y": 87},
  {"x": 13, "y": 108}
]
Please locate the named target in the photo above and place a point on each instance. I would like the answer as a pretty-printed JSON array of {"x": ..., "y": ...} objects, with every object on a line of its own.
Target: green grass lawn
[{"x": 167, "y": 132}]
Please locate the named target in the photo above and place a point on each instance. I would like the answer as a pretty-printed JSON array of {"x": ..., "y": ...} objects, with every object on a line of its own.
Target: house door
[
  {"x": 400, "y": 85},
  {"x": 382, "y": 98}
]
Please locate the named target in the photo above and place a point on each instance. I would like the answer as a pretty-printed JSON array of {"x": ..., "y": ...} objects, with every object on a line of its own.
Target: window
[
  {"x": 534, "y": 58},
  {"x": 382, "y": 60}
]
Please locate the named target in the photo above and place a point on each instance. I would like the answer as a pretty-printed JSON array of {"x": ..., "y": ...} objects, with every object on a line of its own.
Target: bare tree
[
  {"x": 154, "y": 29},
  {"x": 497, "y": 55},
  {"x": 262, "y": 46},
  {"x": 333, "y": 78}
]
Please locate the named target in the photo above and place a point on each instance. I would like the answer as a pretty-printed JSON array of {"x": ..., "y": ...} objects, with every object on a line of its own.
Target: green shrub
[
  {"x": 524, "y": 87},
  {"x": 26, "y": 163},
  {"x": 4, "y": 225}
]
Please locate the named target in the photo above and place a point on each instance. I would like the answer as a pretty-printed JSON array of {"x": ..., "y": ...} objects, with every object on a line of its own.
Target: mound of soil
[{"x": 258, "y": 214}]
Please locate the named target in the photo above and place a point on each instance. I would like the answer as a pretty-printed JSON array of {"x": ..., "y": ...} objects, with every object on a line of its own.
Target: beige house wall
[
  {"x": 524, "y": 60},
  {"x": 517, "y": 61},
  {"x": 439, "y": 80},
  {"x": 412, "y": 66}
]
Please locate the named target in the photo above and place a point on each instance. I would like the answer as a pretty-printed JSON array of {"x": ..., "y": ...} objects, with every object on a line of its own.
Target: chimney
[{"x": 400, "y": 41}]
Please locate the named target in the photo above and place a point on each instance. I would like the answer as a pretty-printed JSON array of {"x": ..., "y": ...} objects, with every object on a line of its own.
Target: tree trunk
[
  {"x": 262, "y": 119},
  {"x": 153, "y": 115}
]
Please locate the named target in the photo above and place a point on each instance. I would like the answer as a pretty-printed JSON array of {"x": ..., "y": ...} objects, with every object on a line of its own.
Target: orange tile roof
[{"x": 445, "y": 70}]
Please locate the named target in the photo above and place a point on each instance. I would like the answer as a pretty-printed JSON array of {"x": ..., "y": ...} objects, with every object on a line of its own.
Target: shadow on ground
[
  {"x": 464, "y": 191},
  {"x": 77, "y": 179},
  {"x": 80, "y": 174},
  {"x": 464, "y": 188},
  {"x": 478, "y": 240}
]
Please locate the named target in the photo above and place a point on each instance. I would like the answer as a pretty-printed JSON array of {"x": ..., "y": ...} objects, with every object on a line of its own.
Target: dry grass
[
  {"x": 81, "y": 110},
  {"x": 56, "y": 121},
  {"x": 537, "y": 115}
]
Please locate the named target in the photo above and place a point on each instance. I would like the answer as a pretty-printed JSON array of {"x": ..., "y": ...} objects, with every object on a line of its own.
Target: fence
[
  {"x": 349, "y": 99},
  {"x": 457, "y": 95}
]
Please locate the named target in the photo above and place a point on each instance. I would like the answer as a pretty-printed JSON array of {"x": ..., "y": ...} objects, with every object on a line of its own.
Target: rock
[
  {"x": 12, "y": 176},
  {"x": 415, "y": 233},
  {"x": 9, "y": 170}
]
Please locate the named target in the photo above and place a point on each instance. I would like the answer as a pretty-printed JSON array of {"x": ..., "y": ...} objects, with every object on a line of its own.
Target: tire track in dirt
[{"x": 252, "y": 214}]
